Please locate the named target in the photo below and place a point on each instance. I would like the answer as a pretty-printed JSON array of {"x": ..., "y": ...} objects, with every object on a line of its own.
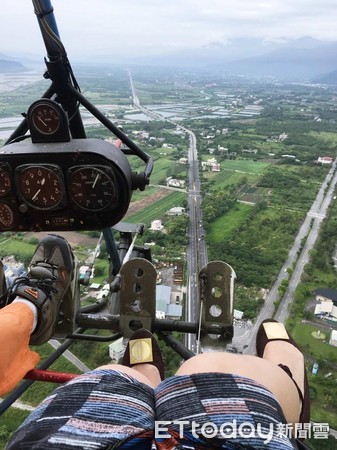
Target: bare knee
[
  {"x": 144, "y": 376},
  {"x": 207, "y": 362}
]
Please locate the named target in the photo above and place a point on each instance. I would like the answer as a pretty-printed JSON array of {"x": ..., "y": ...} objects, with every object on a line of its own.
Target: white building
[
  {"x": 326, "y": 303},
  {"x": 116, "y": 350},
  {"x": 282, "y": 137},
  {"x": 156, "y": 225},
  {"x": 173, "y": 311},
  {"x": 173, "y": 182},
  {"x": 183, "y": 161},
  {"x": 211, "y": 163},
  {"x": 163, "y": 295},
  {"x": 333, "y": 338},
  {"x": 176, "y": 211},
  {"x": 237, "y": 314},
  {"x": 249, "y": 150},
  {"x": 324, "y": 160}
]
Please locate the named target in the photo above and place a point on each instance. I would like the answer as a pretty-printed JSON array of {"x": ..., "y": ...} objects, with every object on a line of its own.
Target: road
[
  {"x": 308, "y": 234},
  {"x": 316, "y": 215},
  {"x": 70, "y": 356},
  {"x": 196, "y": 252},
  {"x": 135, "y": 98}
]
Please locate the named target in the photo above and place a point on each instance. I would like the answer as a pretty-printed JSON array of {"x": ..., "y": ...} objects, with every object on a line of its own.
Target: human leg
[
  {"x": 110, "y": 406},
  {"x": 97, "y": 410},
  {"x": 16, "y": 358},
  {"x": 225, "y": 400},
  {"x": 279, "y": 367},
  {"x": 207, "y": 409},
  {"x": 274, "y": 344},
  {"x": 264, "y": 372},
  {"x": 145, "y": 373},
  {"x": 48, "y": 279},
  {"x": 40, "y": 292}
]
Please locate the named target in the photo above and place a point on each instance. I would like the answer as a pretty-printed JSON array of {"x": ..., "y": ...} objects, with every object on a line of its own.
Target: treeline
[
  {"x": 293, "y": 189},
  {"x": 259, "y": 246},
  {"x": 216, "y": 204}
]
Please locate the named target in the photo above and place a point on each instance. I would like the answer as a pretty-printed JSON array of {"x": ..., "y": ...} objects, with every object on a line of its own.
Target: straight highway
[
  {"x": 196, "y": 253},
  {"x": 297, "y": 258}
]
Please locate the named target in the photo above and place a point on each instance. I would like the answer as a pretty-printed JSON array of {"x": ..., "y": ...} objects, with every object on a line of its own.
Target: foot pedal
[
  {"x": 137, "y": 296},
  {"x": 216, "y": 289}
]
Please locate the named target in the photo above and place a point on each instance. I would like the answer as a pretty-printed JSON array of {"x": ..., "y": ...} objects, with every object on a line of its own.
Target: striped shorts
[{"x": 106, "y": 409}]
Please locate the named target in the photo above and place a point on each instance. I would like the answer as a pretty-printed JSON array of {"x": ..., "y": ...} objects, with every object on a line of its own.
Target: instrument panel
[{"x": 78, "y": 185}]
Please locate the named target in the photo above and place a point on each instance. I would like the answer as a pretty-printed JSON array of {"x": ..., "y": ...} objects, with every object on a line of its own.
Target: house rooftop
[{"x": 327, "y": 293}]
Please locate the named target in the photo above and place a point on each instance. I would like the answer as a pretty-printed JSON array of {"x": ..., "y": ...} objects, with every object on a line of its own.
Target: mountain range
[
  {"x": 290, "y": 63},
  {"x": 10, "y": 65},
  {"x": 297, "y": 60},
  {"x": 302, "y": 59}
]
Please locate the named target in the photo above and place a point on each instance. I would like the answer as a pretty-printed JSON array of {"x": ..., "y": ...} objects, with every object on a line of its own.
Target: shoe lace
[{"x": 45, "y": 284}]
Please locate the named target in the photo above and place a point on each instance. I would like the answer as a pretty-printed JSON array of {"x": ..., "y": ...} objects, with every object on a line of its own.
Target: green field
[
  {"x": 302, "y": 334},
  {"x": 228, "y": 177},
  {"x": 323, "y": 407},
  {"x": 14, "y": 246},
  {"x": 244, "y": 166},
  {"x": 223, "y": 227},
  {"x": 158, "y": 209},
  {"x": 163, "y": 168},
  {"x": 232, "y": 172}
]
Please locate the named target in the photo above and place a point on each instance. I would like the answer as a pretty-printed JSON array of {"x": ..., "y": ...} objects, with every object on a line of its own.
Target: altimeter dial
[
  {"x": 45, "y": 116},
  {"x": 40, "y": 186},
  {"x": 92, "y": 188}
]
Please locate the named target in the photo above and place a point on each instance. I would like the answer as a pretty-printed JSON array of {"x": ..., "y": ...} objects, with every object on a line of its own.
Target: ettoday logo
[{"x": 244, "y": 430}]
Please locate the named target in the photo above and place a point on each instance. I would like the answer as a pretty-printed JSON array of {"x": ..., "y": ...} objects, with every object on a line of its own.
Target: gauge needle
[
  {"x": 96, "y": 179},
  {"x": 33, "y": 198},
  {"x": 42, "y": 121}
]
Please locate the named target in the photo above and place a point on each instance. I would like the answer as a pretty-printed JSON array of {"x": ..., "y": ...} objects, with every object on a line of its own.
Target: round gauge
[
  {"x": 45, "y": 116},
  {"x": 40, "y": 186},
  {"x": 6, "y": 216},
  {"x": 5, "y": 182},
  {"x": 92, "y": 188}
]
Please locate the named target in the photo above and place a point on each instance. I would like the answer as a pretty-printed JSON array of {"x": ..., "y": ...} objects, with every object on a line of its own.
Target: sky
[{"x": 150, "y": 27}]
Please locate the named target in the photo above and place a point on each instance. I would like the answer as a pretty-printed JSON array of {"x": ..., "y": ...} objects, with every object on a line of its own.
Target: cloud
[{"x": 150, "y": 26}]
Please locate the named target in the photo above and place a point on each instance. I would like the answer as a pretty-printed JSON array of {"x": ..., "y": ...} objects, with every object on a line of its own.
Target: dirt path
[{"x": 75, "y": 239}]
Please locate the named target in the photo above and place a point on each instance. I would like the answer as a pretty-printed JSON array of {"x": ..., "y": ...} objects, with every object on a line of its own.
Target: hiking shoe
[{"x": 49, "y": 277}]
